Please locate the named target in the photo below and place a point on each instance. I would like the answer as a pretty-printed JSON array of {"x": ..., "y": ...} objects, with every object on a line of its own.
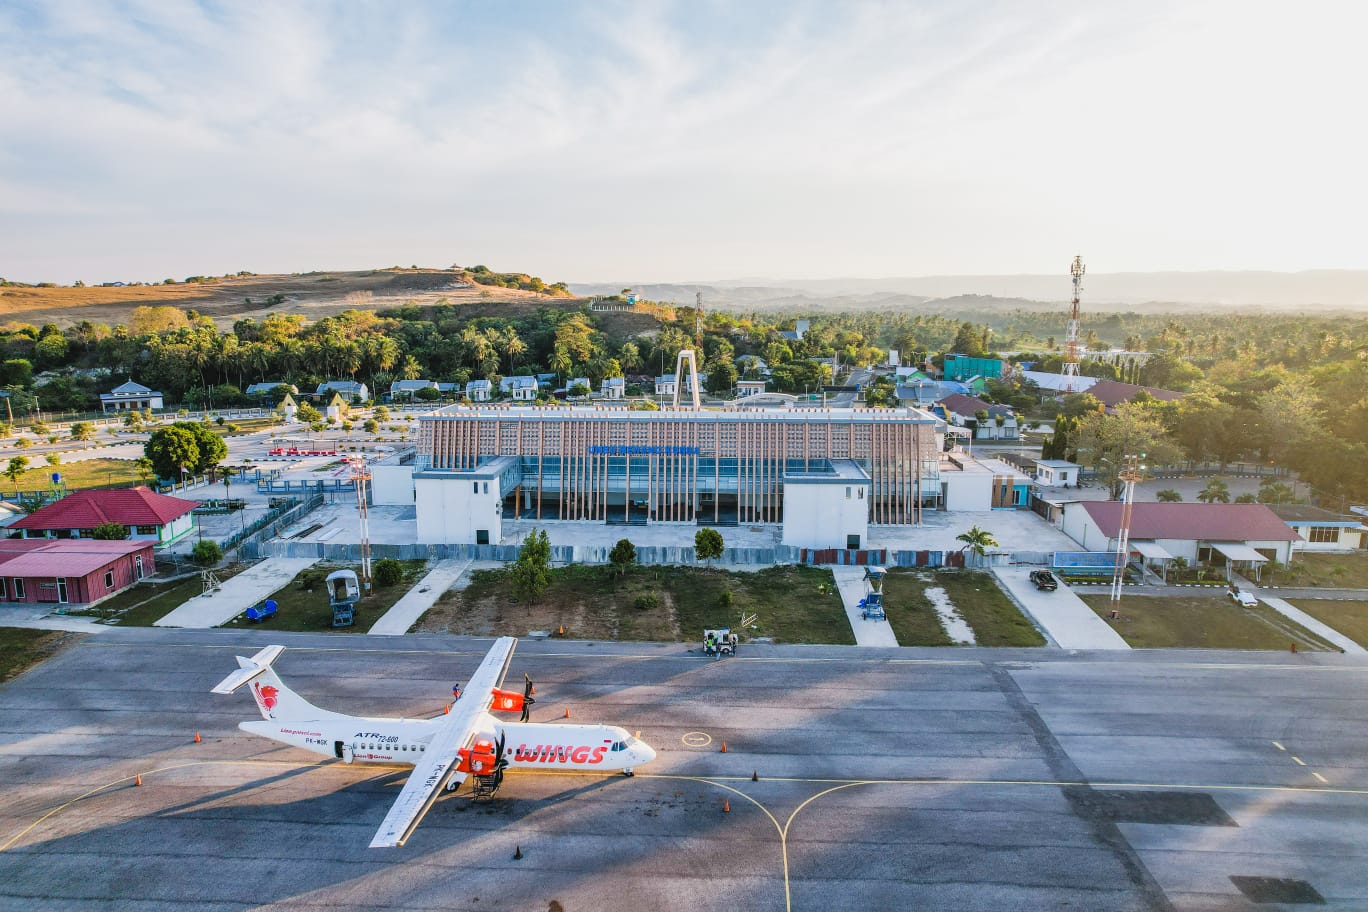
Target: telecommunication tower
[
  {"x": 1071, "y": 345},
  {"x": 698, "y": 321}
]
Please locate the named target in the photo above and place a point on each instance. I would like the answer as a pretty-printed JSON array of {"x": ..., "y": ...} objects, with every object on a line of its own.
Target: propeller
[
  {"x": 528, "y": 699},
  {"x": 500, "y": 763}
]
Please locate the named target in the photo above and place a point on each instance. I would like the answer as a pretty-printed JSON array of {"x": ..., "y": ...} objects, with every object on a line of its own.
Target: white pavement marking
[
  {"x": 1066, "y": 618},
  {"x": 850, "y": 583},
  {"x": 238, "y": 594},
  {"x": 37, "y": 618},
  {"x": 1293, "y": 613},
  {"x": 404, "y": 613}
]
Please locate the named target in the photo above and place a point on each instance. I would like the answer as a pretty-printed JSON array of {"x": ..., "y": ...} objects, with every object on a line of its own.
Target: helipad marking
[{"x": 696, "y": 739}]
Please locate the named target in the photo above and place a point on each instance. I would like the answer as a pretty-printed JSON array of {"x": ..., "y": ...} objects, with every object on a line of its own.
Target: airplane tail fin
[{"x": 274, "y": 700}]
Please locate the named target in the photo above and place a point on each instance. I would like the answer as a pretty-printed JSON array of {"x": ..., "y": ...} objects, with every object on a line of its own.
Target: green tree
[
  {"x": 307, "y": 413},
  {"x": 388, "y": 572},
  {"x": 1216, "y": 490},
  {"x": 531, "y": 572},
  {"x": 1168, "y": 495},
  {"x": 143, "y": 465},
  {"x": 622, "y": 556},
  {"x": 110, "y": 531},
  {"x": 708, "y": 545},
  {"x": 16, "y": 467},
  {"x": 82, "y": 430},
  {"x": 206, "y": 553},
  {"x": 968, "y": 341},
  {"x": 977, "y": 540},
  {"x": 1103, "y": 441},
  {"x": 381, "y": 413},
  {"x": 53, "y": 459},
  {"x": 171, "y": 449},
  {"x": 371, "y": 426}
]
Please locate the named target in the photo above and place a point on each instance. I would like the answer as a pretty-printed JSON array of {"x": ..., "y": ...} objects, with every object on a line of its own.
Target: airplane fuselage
[{"x": 355, "y": 739}]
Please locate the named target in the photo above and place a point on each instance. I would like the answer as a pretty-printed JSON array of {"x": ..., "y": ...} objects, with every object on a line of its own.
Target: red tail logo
[{"x": 268, "y": 696}]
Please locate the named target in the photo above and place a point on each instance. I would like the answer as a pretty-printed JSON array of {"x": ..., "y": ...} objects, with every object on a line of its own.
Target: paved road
[
  {"x": 967, "y": 779},
  {"x": 1067, "y": 620},
  {"x": 850, "y": 584},
  {"x": 237, "y": 594},
  {"x": 406, "y": 612}
]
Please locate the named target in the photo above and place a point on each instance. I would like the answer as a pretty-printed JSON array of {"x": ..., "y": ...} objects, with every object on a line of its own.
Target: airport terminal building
[{"x": 824, "y": 473}]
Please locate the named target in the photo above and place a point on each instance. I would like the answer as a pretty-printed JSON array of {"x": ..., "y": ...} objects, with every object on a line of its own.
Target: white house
[
  {"x": 1321, "y": 530},
  {"x": 522, "y": 388},
  {"x": 337, "y": 408},
  {"x": 1242, "y": 536},
  {"x": 578, "y": 381},
  {"x": 266, "y": 390},
  {"x": 477, "y": 390},
  {"x": 827, "y": 508},
  {"x": 613, "y": 387},
  {"x": 746, "y": 388},
  {"x": 1056, "y": 473},
  {"x": 406, "y": 389},
  {"x": 288, "y": 408},
  {"x": 130, "y": 396},
  {"x": 963, "y": 411},
  {"x": 349, "y": 389},
  {"x": 665, "y": 385}
]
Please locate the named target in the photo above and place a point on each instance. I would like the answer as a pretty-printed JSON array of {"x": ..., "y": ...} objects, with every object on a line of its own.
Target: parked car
[
  {"x": 1044, "y": 580},
  {"x": 1242, "y": 598}
]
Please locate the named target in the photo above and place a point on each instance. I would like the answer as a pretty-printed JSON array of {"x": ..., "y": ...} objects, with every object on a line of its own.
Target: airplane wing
[{"x": 443, "y": 753}]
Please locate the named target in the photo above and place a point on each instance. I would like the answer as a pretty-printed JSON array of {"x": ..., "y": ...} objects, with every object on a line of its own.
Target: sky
[{"x": 668, "y": 142}]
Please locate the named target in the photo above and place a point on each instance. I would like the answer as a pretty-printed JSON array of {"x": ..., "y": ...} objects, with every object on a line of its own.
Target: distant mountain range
[{"x": 1151, "y": 291}]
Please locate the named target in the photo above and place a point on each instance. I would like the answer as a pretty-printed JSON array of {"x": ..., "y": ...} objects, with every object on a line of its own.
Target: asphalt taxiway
[{"x": 884, "y": 779}]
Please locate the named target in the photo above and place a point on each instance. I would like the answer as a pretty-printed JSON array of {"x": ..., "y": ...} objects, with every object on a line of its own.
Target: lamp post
[{"x": 1131, "y": 472}]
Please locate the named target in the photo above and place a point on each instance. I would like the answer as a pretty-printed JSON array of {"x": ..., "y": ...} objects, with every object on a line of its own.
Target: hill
[{"x": 313, "y": 294}]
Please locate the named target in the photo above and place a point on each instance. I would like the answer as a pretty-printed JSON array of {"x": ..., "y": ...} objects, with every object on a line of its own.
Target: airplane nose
[{"x": 646, "y": 752}]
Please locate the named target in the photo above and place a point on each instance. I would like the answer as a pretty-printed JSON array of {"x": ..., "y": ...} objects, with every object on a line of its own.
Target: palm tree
[
  {"x": 1216, "y": 490},
  {"x": 1168, "y": 495},
  {"x": 514, "y": 347},
  {"x": 977, "y": 540}
]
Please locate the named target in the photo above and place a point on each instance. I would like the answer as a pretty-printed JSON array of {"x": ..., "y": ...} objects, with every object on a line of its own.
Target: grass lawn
[
  {"x": 1152, "y": 622},
  {"x": 147, "y": 602},
  {"x": 88, "y": 473},
  {"x": 303, "y": 602},
  {"x": 1335, "y": 571},
  {"x": 794, "y": 604},
  {"x": 992, "y": 616},
  {"x": 22, "y": 648},
  {"x": 1348, "y": 617}
]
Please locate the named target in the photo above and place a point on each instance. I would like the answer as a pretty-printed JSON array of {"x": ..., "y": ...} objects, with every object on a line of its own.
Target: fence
[{"x": 275, "y": 519}]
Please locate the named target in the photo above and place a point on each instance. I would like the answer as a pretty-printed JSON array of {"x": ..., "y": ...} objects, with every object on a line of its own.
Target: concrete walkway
[
  {"x": 238, "y": 594},
  {"x": 37, "y": 617},
  {"x": 406, "y": 612},
  {"x": 1293, "y": 613},
  {"x": 1067, "y": 620},
  {"x": 850, "y": 583}
]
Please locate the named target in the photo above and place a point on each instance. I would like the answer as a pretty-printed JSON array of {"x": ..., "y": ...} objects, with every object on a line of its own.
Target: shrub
[
  {"x": 110, "y": 531},
  {"x": 206, "y": 553},
  {"x": 388, "y": 572},
  {"x": 648, "y": 602}
]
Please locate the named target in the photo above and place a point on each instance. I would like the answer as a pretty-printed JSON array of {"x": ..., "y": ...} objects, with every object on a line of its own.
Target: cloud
[{"x": 677, "y": 140}]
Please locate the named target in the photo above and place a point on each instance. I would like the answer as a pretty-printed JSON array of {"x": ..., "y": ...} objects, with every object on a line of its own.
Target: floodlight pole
[
  {"x": 359, "y": 476},
  {"x": 1131, "y": 472}
]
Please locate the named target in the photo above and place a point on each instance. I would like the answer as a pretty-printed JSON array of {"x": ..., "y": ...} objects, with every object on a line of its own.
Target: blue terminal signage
[{"x": 643, "y": 451}]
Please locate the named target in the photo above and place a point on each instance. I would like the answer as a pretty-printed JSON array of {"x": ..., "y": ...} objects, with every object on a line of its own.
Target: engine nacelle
[
  {"x": 479, "y": 760},
  {"x": 507, "y": 701}
]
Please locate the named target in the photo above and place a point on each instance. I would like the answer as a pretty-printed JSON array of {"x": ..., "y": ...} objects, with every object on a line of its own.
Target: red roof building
[
  {"x": 1112, "y": 393},
  {"x": 147, "y": 515},
  {"x": 78, "y": 572}
]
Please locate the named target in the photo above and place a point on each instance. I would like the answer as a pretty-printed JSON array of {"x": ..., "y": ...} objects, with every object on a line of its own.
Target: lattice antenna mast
[
  {"x": 1131, "y": 473},
  {"x": 360, "y": 474},
  {"x": 1071, "y": 344},
  {"x": 698, "y": 321}
]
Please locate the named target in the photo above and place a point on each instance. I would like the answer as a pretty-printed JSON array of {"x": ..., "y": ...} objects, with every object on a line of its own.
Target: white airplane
[{"x": 467, "y": 741}]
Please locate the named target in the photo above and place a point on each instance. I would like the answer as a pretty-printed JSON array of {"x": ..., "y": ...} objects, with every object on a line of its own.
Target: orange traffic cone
[
  {"x": 726, "y": 806},
  {"x": 197, "y": 738},
  {"x": 447, "y": 710},
  {"x": 561, "y": 630},
  {"x": 137, "y": 780},
  {"x": 567, "y": 714},
  {"x": 724, "y": 747},
  {"x": 1294, "y": 647}
]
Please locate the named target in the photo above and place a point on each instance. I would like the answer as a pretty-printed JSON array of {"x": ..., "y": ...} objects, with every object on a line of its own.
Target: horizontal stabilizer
[{"x": 249, "y": 670}]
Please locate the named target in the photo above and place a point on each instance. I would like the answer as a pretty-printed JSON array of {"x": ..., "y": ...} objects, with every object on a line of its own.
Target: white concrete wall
[
  {"x": 968, "y": 491},
  {"x": 1349, "y": 540},
  {"x": 392, "y": 484},
  {"x": 823, "y": 515},
  {"x": 451, "y": 510}
]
